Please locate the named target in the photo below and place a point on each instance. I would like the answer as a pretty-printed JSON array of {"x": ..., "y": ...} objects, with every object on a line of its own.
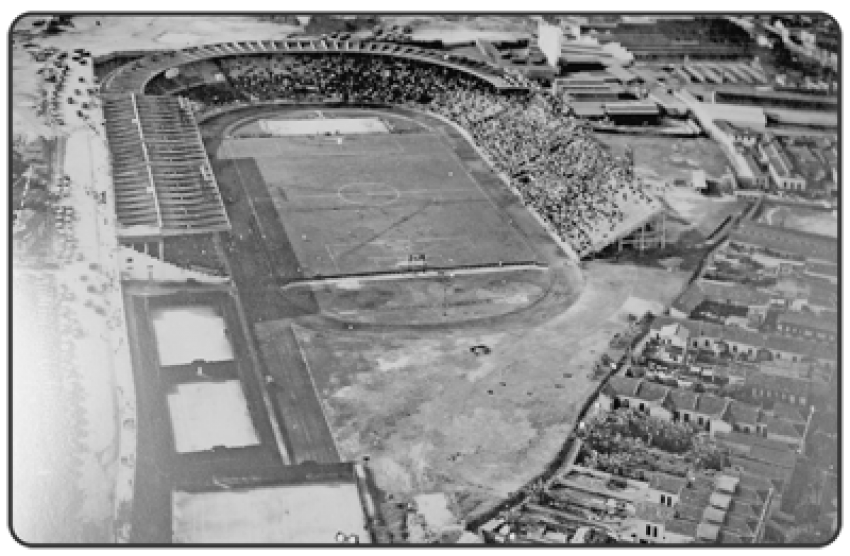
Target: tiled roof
[
  {"x": 766, "y": 470},
  {"x": 713, "y": 514},
  {"x": 777, "y": 383},
  {"x": 785, "y": 344},
  {"x": 711, "y": 405},
  {"x": 808, "y": 320},
  {"x": 742, "y": 509},
  {"x": 695, "y": 497},
  {"x": 683, "y": 399},
  {"x": 748, "y": 441},
  {"x": 792, "y": 413},
  {"x": 726, "y": 483},
  {"x": 782, "y": 427},
  {"x": 741, "y": 526},
  {"x": 781, "y": 458},
  {"x": 737, "y": 294},
  {"x": 661, "y": 321},
  {"x": 707, "y": 532},
  {"x": 652, "y": 392},
  {"x": 727, "y": 537},
  {"x": 744, "y": 413},
  {"x": 682, "y": 527},
  {"x": 719, "y": 502},
  {"x": 689, "y": 512},
  {"x": 652, "y": 512},
  {"x": 623, "y": 386},
  {"x": 667, "y": 483},
  {"x": 750, "y": 483}
]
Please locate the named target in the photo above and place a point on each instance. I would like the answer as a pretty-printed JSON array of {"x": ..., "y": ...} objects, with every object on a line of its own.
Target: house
[
  {"x": 620, "y": 391},
  {"x": 742, "y": 344},
  {"x": 649, "y": 520},
  {"x": 777, "y": 475},
  {"x": 682, "y": 404},
  {"x": 750, "y": 172},
  {"x": 742, "y": 443},
  {"x": 745, "y": 418},
  {"x": 680, "y": 531},
  {"x": 670, "y": 333},
  {"x": 651, "y": 398},
  {"x": 710, "y": 411},
  {"x": 791, "y": 413},
  {"x": 739, "y": 135},
  {"x": 784, "y": 172},
  {"x": 665, "y": 489},
  {"x": 807, "y": 325},
  {"x": 770, "y": 387},
  {"x": 760, "y": 463},
  {"x": 785, "y": 431}
]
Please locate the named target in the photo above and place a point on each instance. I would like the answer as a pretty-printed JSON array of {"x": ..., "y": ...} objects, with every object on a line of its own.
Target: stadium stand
[
  {"x": 162, "y": 177},
  {"x": 551, "y": 158}
]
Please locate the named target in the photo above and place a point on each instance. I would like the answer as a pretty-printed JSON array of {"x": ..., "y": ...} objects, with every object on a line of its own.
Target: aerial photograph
[{"x": 518, "y": 279}]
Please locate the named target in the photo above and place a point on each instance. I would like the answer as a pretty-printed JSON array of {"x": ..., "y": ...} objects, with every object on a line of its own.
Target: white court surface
[
  {"x": 186, "y": 334},
  {"x": 321, "y": 126},
  {"x": 308, "y": 513},
  {"x": 209, "y": 414}
]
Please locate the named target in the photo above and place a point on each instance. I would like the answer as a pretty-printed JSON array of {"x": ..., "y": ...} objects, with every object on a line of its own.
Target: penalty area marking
[{"x": 376, "y": 194}]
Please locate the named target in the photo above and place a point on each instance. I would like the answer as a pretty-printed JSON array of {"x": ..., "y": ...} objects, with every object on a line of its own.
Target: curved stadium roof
[{"x": 133, "y": 77}]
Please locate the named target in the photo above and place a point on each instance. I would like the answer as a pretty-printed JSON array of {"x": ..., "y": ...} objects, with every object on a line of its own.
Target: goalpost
[{"x": 416, "y": 261}]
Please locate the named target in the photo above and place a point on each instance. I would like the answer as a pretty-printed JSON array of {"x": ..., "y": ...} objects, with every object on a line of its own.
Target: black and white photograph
[{"x": 424, "y": 278}]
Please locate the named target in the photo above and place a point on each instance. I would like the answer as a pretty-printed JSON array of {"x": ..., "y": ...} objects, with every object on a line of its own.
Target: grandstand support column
[
  {"x": 162, "y": 249},
  {"x": 620, "y": 245},
  {"x": 663, "y": 230}
]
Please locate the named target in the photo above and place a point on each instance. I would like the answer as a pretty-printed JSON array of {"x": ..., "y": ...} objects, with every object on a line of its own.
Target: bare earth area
[
  {"x": 801, "y": 218},
  {"x": 432, "y": 416},
  {"x": 702, "y": 213}
]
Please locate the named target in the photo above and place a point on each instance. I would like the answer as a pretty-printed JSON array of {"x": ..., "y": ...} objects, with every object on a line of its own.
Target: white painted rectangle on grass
[
  {"x": 311, "y": 513},
  {"x": 322, "y": 126},
  {"x": 209, "y": 414},
  {"x": 187, "y": 334}
]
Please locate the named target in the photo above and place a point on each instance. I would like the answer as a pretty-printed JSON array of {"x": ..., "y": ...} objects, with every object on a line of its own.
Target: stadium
[{"x": 344, "y": 187}]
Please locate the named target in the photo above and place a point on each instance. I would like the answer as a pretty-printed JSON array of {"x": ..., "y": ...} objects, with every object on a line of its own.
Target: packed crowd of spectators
[{"x": 550, "y": 157}]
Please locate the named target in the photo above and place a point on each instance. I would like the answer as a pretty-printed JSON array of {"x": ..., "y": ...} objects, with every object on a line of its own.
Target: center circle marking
[{"x": 374, "y": 194}]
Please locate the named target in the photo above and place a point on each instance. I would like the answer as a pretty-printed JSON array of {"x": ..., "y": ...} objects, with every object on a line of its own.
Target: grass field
[{"x": 366, "y": 203}]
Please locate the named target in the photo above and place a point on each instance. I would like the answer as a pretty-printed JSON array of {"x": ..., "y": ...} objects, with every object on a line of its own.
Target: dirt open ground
[
  {"x": 432, "y": 416},
  {"x": 662, "y": 160},
  {"x": 800, "y": 218}
]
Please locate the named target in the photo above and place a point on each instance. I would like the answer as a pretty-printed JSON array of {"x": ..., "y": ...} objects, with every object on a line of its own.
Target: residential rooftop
[{"x": 808, "y": 320}]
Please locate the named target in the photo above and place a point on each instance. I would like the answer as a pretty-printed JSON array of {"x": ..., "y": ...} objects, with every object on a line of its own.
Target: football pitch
[{"x": 371, "y": 203}]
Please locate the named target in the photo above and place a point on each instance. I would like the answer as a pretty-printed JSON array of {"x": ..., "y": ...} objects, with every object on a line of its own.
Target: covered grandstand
[
  {"x": 164, "y": 185},
  {"x": 135, "y": 76}
]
